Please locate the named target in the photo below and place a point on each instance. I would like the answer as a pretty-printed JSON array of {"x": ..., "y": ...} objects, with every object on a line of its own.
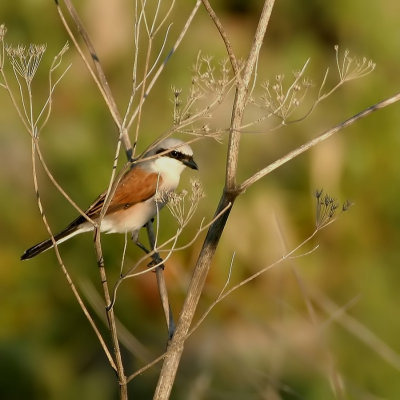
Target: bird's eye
[{"x": 174, "y": 154}]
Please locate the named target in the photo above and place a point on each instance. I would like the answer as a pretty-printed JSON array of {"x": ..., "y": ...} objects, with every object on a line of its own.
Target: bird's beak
[{"x": 189, "y": 162}]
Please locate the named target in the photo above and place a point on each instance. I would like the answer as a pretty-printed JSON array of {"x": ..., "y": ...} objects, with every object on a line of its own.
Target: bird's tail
[{"x": 67, "y": 233}]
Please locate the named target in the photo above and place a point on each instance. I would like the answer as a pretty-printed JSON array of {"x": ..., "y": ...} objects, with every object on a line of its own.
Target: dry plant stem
[
  {"x": 102, "y": 83},
  {"x": 15, "y": 103},
  {"x": 100, "y": 73},
  {"x": 57, "y": 185},
  {"x": 225, "y": 293},
  {"x": 326, "y": 135},
  {"x": 225, "y": 38},
  {"x": 175, "y": 349},
  {"x": 241, "y": 97},
  {"x": 162, "y": 287},
  {"x": 61, "y": 263},
  {"x": 126, "y": 338},
  {"x": 172, "y": 240},
  {"x": 130, "y": 273},
  {"x": 100, "y": 77},
  {"x": 106, "y": 92},
  {"x": 162, "y": 66},
  {"x": 145, "y": 368},
  {"x": 85, "y": 310},
  {"x": 70, "y": 282},
  {"x": 143, "y": 91},
  {"x": 81, "y": 53},
  {"x": 123, "y": 390},
  {"x": 31, "y": 127}
]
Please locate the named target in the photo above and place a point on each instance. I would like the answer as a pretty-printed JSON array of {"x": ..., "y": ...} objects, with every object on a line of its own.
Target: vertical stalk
[
  {"x": 123, "y": 389},
  {"x": 175, "y": 349}
]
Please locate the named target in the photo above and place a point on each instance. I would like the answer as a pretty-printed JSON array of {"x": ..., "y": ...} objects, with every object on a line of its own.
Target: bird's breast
[{"x": 132, "y": 218}]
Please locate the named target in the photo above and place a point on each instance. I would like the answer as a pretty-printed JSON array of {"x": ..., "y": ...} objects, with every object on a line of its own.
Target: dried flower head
[
  {"x": 176, "y": 205},
  {"x": 352, "y": 67},
  {"x": 182, "y": 206},
  {"x": 197, "y": 191},
  {"x": 281, "y": 99},
  {"x": 326, "y": 208},
  {"x": 210, "y": 83},
  {"x": 25, "y": 61},
  {"x": 176, "y": 91}
]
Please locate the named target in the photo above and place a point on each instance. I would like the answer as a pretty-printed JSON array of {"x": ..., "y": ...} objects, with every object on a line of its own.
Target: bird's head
[{"x": 174, "y": 155}]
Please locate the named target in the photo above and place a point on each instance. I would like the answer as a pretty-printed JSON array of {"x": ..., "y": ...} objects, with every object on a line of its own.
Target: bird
[{"x": 136, "y": 199}]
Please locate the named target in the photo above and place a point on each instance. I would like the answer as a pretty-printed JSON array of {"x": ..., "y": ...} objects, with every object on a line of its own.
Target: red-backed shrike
[{"x": 136, "y": 199}]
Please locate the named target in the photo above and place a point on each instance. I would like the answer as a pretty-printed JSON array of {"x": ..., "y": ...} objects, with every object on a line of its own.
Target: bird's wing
[{"x": 134, "y": 187}]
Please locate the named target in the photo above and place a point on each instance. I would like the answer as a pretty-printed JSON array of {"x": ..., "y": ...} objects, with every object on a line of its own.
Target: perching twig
[
  {"x": 162, "y": 287},
  {"x": 123, "y": 390}
]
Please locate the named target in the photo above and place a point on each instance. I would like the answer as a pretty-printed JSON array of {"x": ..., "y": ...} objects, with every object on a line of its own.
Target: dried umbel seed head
[
  {"x": 326, "y": 208},
  {"x": 25, "y": 61}
]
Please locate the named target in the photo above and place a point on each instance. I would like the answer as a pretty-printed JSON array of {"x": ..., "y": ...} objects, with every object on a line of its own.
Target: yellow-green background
[{"x": 260, "y": 342}]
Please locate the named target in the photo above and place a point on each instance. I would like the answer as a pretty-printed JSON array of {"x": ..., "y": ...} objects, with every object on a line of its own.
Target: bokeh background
[{"x": 265, "y": 341}]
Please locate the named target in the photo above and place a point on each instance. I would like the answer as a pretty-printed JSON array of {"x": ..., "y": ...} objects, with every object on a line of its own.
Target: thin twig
[
  {"x": 223, "y": 294},
  {"x": 58, "y": 186},
  {"x": 111, "y": 319},
  {"x": 306, "y": 146},
  {"x": 61, "y": 263},
  {"x": 82, "y": 55},
  {"x": 241, "y": 97},
  {"x": 48, "y": 104},
  {"x": 15, "y": 103},
  {"x": 129, "y": 274},
  {"x": 98, "y": 76},
  {"x": 145, "y": 368},
  {"x": 130, "y": 342},
  {"x": 225, "y": 38},
  {"x": 162, "y": 287},
  {"x": 145, "y": 74},
  {"x": 162, "y": 66},
  {"x": 99, "y": 69},
  {"x": 161, "y": 248}
]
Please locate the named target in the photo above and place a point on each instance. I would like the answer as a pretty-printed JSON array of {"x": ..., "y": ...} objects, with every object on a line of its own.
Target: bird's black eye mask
[
  {"x": 173, "y": 154},
  {"x": 177, "y": 155}
]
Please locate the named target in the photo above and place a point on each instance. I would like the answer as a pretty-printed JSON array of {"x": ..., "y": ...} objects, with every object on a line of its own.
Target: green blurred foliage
[{"x": 261, "y": 342}]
